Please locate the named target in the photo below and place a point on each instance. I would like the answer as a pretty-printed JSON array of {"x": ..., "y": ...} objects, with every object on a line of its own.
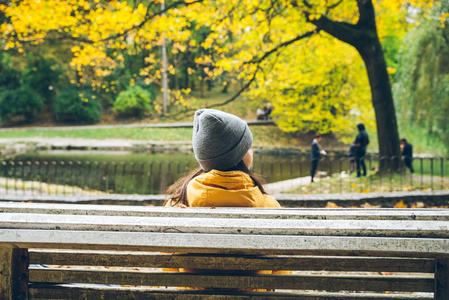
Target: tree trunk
[
  {"x": 363, "y": 36},
  {"x": 382, "y": 99}
]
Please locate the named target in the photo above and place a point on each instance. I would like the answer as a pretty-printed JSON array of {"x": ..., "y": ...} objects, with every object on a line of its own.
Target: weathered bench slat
[
  {"x": 167, "y": 260},
  {"x": 257, "y": 281},
  {"x": 334, "y": 241},
  {"x": 224, "y": 243},
  {"x": 254, "y": 213},
  {"x": 430, "y": 229},
  {"x": 94, "y": 292}
]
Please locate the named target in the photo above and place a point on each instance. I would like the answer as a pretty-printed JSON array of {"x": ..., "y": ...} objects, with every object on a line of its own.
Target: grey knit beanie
[{"x": 220, "y": 140}]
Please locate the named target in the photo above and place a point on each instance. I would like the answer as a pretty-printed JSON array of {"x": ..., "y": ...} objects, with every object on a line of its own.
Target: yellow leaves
[
  {"x": 400, "y": 204},
  {"x": 9, "y": 44},
  {"x": 171, "y": 69},
  {"x": 308, "y": 82},
  {"x": 391, "y": 70},
  {"x": 330, "y": 204}
]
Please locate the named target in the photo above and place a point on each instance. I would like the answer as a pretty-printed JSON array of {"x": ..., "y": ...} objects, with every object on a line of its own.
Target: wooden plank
[
  {"x": 442, "y": 278},
  {"x": 211, "y": 261},
  {"x": 63, "y": 291},
  {"x": 93, "y": 292},
  {"x": 428, "y": 229},
  {"x": 13, "y": 273},
  {"x": 257, "y": 281},
  {"x": 225, "y": 243},
  {"x": 253, "y": 213}
]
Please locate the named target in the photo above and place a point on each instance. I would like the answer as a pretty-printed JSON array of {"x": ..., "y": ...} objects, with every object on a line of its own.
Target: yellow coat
[{"x": 226, "y": 189}]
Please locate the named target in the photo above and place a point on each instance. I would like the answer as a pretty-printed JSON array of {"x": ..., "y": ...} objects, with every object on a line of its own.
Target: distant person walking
[
  {"x": 315, "y": 155},
  {"x": 407, "y": 153},
  {"x": 361, "y": 142}
]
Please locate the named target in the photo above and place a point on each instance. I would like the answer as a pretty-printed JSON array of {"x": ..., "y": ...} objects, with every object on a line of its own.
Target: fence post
[
  {"x": 442, "y": 172},
  {"x": 431, "y": 173},
  {"x": 13, "y": 273},
  {"x": 441, "y": 278}
]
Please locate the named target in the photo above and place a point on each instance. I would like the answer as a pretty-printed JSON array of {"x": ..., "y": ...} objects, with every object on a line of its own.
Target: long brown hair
[{"x": 177, "y": 192}]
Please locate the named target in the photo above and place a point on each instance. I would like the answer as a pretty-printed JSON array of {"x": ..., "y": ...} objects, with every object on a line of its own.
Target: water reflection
[{"x": 137, "y": 173}]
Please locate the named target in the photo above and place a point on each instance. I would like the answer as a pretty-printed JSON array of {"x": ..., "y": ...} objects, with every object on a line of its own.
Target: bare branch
[
  {"x": 335, "y": 4},
  {"x": 244, "y": 88},
  {"x": 236, "y": 95},
  {"x": 280, "y": 46}
]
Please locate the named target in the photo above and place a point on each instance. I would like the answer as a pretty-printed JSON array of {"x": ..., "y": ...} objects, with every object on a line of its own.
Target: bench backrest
[{"x": 327, "y": 249}]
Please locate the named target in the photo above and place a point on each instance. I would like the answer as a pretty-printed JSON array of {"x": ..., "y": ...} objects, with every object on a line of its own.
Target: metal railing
[{"x": 42, "y": 177}]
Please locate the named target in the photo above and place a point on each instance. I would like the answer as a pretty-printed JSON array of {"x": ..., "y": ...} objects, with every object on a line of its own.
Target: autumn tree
[{"x": 245, "y": 39}]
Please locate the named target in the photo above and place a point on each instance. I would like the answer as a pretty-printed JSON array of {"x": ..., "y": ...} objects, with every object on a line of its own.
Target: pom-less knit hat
[{"x": 220, "y": 140}]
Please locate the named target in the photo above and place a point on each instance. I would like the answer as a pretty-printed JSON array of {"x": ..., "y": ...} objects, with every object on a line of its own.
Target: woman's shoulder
[{"x": 269, "y": 201}]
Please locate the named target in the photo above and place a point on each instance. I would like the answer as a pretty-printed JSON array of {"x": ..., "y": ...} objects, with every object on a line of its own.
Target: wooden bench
[{"x": 64, "y": 251}]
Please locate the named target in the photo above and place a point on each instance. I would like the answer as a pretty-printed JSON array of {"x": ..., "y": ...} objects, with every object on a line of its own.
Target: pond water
[{"x": 139, "y": 173}]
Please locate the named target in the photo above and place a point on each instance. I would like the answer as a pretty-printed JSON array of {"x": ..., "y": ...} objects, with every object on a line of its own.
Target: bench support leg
[
  {"x": 13, "y": 273},
  {"x": 441, "y": 278}
]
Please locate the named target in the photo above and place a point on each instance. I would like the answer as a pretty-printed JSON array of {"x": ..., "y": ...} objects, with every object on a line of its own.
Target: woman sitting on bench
[{"x": 222, "y": 146}]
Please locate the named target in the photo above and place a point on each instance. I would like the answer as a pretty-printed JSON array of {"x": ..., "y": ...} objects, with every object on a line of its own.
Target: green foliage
[
  {"x": 391, "y": 46},
  {"x": 422, "y": 87},
  {"x": 9, "y": 77},
  {"x": 41, "y": 75},
  {"x": 76, "y": 106},
  {"x": 20, "y": 102},
  {"x": 135, "y": 102}
]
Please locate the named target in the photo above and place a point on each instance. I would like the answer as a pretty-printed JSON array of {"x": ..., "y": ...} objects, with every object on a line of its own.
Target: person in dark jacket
[
  {"x": 361, "y": 142},
  {"x": 407, "y": 153},
  {"x": 315, "y": 155}
]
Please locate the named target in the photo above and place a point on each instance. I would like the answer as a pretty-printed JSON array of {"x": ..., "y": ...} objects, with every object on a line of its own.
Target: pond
[{"x": 139, "y": 173}]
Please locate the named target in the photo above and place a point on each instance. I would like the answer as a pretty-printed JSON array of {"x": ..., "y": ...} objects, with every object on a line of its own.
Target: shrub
[
  {"x": 76, "y": 106},
  {"x": 41, "y": 75},
  {"x": 135, "y": 101},
  {"x": 9, "y": 77},
  {"x": 20, "y": 102}
]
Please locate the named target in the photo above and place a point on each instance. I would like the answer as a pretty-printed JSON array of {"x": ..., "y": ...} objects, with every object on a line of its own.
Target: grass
[
  {"x": 266, "y": 136},
  {"x": 154, "y": 134},
  {"x": 422, "y": 141},
  {"x": 374, "y": 183}
]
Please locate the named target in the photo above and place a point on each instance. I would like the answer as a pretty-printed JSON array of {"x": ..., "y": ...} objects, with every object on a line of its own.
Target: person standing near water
[
  {"x": 407, "y": 153},
  {"x": 361, "y": 142},
  {"x": 315, "y": 155}
]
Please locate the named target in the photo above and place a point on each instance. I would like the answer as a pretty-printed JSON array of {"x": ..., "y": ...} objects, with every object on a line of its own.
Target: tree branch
[
  {"x": 367, "y": 18},
  {"x": 147, "y": 18},
  {"x": 244, "y": 88},
  {"x": 334, "y": 5},
  {"x": 280, "y": 46},
  {"x": 346, "y": 32},
  {"x": 258, "y": 62},
  {"x": 236, "y": 95}
]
